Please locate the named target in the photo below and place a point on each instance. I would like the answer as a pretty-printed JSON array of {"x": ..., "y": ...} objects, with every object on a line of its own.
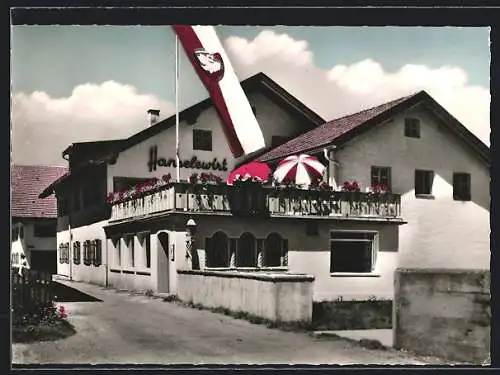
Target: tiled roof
[
  {"x": 330, "y": 131},
  {"x": 27, "y": 181}
]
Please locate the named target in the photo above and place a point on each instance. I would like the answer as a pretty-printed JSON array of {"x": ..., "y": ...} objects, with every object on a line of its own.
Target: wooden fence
[{"x": 30, "y": 291}]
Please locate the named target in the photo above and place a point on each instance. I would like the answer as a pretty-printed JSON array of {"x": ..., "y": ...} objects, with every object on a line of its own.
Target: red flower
[
  {"x": 193, "y": 178},
  {"x": 111, "y": 197},
  {"x": 166, "y": 177}
]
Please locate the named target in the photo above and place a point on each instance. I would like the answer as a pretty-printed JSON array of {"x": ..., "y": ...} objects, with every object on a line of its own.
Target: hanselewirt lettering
[{"x": 193, "y": 163}]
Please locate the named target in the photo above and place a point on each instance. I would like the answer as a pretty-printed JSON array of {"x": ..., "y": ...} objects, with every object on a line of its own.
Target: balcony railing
[{"x": 184, "y": 197}]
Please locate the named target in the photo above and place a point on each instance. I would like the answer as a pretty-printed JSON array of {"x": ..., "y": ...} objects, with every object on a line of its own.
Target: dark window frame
[
  {"x": 273, "y": 250},
  {"x": 45, "y": 230},
  {"x": 461, "y": 186},
  {"x": 412, "y": 127},
  {"x": 215, "y": 256},
  {"x": 423, "y": 182},
  {"x": 339, "y": 262},
  {"x": 202, "y": 140},
  {"x": 376, "y": 176},
  {"x": 76, "y": 253}
]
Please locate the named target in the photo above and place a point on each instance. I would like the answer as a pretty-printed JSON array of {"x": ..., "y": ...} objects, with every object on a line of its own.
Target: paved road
[{"x": 126, "y": 328}]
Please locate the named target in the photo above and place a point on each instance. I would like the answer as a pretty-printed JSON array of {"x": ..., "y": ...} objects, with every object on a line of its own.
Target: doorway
[{"x": 163, "y": 263}]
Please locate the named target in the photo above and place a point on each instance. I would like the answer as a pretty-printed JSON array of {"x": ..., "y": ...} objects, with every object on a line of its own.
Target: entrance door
[{"x": 163, "y": 263}]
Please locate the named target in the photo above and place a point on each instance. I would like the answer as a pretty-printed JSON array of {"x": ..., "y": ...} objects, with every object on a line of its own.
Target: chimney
[{"x": 153, "y": 116}]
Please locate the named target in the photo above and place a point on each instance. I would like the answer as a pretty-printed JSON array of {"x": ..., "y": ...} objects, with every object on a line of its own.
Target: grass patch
[{"x": 42, "y": 332}]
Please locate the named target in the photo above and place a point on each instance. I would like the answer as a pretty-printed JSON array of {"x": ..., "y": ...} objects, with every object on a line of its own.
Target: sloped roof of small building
[{"x": 27, "y": 181}]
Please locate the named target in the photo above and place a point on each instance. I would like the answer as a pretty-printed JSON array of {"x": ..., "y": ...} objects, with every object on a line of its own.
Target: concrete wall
[
  {"x": 275, "y": 297},
  {"x": 81, "y": 272},
  {"x": 445, "y": 313},
  {"x": 133, "y": 162},
  {"x": 311, "y": 254},
  {"x": 437, "y": 227}
]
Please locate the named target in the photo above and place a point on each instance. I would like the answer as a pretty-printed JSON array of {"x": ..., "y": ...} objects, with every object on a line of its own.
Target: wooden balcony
[{"x": 184, "y": 197}]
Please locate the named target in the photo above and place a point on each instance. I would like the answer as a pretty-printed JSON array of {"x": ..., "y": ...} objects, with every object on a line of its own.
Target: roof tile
[
  {"x": 328, "y": 132},
  {"x": 27, "y": 181}
]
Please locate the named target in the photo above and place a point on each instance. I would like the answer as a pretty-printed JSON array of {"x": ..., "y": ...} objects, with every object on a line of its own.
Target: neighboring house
[
  {"x": 416, "y": 148},
  {"x": 34, "y": 220}
]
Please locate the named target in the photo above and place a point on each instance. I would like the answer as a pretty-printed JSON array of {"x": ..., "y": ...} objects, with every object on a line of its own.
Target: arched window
[
  {"x": 246, "y": 252},
  {"x": 273, "y": 250},
  {"x": 217, "y": 251}
]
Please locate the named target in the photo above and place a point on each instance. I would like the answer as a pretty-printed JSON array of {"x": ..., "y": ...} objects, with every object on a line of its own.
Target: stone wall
[{"x": 445, "y": 313}]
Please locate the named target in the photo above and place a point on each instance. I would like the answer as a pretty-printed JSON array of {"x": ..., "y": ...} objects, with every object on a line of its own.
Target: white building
[
  {"x": 34, "y": 220},
  {"x": 352, "y": 248}
]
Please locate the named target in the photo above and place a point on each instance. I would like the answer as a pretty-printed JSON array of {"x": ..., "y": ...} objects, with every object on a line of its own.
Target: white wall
[
  {"x": 441, "y": 233},
  {"x": 133, "y": 161},
  {"x": 81, "y": 272}
]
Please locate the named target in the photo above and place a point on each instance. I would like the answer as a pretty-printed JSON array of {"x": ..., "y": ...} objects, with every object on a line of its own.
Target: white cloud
[
  {"x": 345, "y": 89},
  {"x": 44, "y": 126}
]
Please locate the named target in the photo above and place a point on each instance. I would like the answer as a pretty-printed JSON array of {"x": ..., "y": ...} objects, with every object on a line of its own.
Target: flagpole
[{"x": 177, "y": 160}]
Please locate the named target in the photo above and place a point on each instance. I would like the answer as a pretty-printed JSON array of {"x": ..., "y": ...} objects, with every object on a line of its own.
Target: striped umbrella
[{"x": 299, "y": 169}]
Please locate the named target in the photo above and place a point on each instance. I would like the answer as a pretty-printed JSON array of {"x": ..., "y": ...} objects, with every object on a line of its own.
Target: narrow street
[{"x": 136, "y": 329}]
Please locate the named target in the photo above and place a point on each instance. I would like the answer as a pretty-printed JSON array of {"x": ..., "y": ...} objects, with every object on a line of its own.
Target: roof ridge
[{"x": 375, "y": 106}]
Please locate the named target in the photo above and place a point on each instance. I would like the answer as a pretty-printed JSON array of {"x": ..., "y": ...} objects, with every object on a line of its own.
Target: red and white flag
[{"x": 212, "y": 65}]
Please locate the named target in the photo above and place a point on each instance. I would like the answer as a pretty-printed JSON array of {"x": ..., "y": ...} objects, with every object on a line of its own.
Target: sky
[{"x": 83, "y": 83}]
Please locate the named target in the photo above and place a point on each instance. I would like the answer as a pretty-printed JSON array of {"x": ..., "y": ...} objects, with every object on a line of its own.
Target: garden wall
[
  {"x": 445, "y": 313},
  {"x": 277, "y": 297}
]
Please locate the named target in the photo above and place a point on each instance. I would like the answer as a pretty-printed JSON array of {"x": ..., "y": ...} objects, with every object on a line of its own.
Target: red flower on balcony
[
  {"x": 351, "y": 186},
  {"x": 166, "y": 177},
  {"x": 379, "y": 189},
  {"x": 193, "y": 179}
]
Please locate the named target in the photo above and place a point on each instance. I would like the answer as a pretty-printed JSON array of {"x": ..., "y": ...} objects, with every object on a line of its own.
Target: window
[
  {"x": 86, "y": 253},
  {"x": 461, "y": 186},
  {"x": 352, "y": 252},
  {"x": 217, "y": 251},
  {"x": 92, "y": 252},
  {"x": 202, "y": 140},
  {"x": 273, "y": 250},
  {"x": 423, "y": 182},
  {"x": 277, "y": 140},
  {"x": 45, "y": 230},
  {"x": 381, "y": 176},
  {"x": 412, "y": 127},
  {"x": 97, "y": 253},
  {"x": 21, "y": 232},
  {"x": 76, "y": 253},
  {"x": 64, "y": 253},
  {"x": 246, "y": 255}
]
